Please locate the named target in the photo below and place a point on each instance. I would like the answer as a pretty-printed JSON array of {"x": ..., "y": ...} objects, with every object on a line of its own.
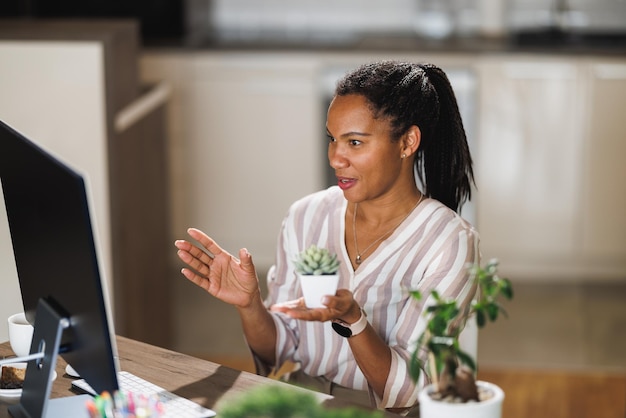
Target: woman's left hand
[{"x": 341, "y": 306}]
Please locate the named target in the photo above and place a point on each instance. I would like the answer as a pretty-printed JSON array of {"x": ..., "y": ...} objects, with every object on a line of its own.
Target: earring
[{"x": 403, "y": 156}]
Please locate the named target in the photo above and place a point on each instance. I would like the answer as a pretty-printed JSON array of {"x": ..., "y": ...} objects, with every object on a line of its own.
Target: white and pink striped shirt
[{"x": 429, "y": 250}]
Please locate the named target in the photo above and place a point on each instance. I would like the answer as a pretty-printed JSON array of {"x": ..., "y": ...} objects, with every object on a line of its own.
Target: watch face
[{"x": 341, "y": 330}]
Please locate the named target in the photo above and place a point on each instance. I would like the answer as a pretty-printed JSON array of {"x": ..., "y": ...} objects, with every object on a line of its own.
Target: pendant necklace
[{"x": 358, "y": 260}]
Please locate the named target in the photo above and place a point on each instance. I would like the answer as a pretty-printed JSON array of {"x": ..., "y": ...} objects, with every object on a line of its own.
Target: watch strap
[{"x": 350, "y": 330}]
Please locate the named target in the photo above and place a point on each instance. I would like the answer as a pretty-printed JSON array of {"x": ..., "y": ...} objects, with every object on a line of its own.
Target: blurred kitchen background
[{"x": 226, "y": 102}]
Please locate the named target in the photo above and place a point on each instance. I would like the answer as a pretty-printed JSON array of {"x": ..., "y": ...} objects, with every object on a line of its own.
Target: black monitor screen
[{"x": 48, "y": 213}]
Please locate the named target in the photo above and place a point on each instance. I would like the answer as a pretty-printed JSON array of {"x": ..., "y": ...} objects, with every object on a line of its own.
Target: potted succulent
[
  {"x": 317, "y": 270},
  {"x": 454, "y": 391}
]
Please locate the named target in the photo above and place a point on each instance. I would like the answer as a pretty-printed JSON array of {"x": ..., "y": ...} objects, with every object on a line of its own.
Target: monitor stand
[{"x": 35, "y": 402}]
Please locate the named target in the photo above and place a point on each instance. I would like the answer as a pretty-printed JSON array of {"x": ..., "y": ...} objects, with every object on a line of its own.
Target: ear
[{"x": 411, "y": 140}]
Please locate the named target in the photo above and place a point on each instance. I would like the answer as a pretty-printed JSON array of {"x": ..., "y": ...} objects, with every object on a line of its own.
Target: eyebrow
[{"x": 347, "y": 134}]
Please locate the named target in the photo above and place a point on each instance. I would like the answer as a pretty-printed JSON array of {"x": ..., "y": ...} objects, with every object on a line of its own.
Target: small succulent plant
[{"x": 316, "y": 261}]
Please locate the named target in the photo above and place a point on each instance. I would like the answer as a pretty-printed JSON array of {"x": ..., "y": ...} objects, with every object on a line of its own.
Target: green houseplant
[
  {"x": 451, "y": 369},
  {"x": 273, "y": 401},
  {"x": 317, "y": 270}
]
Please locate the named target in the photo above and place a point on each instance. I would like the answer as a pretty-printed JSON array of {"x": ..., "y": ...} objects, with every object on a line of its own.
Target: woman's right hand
[{"x": 222, "y": 275}]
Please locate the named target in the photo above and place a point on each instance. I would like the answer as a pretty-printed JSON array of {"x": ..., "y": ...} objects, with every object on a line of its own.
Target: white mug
[{"x": 20, "y": 334}]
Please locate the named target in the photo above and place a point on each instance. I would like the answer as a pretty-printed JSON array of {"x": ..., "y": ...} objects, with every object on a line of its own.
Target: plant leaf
[
  {"x": 507, "y": 288},
  {"x": 466, "y": 359},
  {"x": 480, "y": 318},
  {"x": 492, "y": 311},
  {"x": 416, "y": 294},
  {"x": 415, "y": 366}
]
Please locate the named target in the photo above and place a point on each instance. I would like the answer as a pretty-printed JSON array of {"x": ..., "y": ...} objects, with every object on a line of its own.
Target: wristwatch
[{"x": 350, "y": 330}]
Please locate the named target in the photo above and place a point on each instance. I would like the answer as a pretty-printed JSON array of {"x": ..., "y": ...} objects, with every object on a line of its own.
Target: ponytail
[{"x": 445, "y": 166}]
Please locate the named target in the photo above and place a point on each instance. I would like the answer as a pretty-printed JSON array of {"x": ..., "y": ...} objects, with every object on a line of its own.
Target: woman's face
[{"x": 367, "y": 163}]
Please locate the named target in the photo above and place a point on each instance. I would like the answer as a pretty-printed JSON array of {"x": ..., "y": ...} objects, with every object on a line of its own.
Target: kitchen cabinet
[
  {"x": 528, "y": 161},
  {"x": 604, "y": 180},
  {"x": 247, "y": 141},
  {"x": 550, "y": 185}
]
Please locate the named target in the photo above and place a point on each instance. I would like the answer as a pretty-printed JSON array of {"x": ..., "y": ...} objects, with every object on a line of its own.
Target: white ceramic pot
[
  {"x": 314, "y": 288},
  {"x": 490, "y": 408}
]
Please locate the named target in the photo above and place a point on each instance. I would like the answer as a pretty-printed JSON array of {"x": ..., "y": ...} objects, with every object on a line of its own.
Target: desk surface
[
  {"x": 529, "y": 393},
  {"x": 202, "y": 381}
]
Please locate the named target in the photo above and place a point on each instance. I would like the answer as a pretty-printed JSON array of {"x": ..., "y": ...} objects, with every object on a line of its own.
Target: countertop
[{"x": 537, "y": 42}]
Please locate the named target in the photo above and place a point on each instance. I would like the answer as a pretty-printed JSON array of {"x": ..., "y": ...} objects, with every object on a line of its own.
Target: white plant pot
[
  {"x": 490, "y": 408},
  {"x": 314, "y": 288}
]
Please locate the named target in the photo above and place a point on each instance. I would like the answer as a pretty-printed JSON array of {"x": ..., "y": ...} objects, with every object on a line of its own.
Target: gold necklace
[{"x": 356, "y": 247}]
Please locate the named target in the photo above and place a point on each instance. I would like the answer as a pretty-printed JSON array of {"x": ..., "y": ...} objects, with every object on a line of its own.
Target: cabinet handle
[{"x": 142, "y": 106}]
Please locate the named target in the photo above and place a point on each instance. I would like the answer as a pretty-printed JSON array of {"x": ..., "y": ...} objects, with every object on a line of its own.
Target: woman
[{"x": 392, "y": 127}]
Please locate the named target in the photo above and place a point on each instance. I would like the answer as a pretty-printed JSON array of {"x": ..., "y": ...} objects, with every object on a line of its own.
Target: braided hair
[{"x": 410, "y": 94}]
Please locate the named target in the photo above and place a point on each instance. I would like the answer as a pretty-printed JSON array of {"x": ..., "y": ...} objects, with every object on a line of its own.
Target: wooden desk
[
  {"x": 202, "y": 381},
  {"x": 528, "y": 393}
]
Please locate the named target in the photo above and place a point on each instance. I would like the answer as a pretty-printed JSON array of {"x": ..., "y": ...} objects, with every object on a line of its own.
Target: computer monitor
[{"x": 55, "y": 255}]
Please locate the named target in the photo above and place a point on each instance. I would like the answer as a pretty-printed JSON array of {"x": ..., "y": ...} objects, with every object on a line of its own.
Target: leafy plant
[
  {"x": 316, "y": 261},
  {"x": 273, "y": 401},
  {"x": 450, "y": 368}
]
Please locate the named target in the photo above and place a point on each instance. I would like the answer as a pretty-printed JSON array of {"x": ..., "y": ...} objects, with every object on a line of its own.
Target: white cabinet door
[
  {"x": 604, "y": 201},
  {"x": 528, "y": 163},
  {"x": 254, "y": 146}
]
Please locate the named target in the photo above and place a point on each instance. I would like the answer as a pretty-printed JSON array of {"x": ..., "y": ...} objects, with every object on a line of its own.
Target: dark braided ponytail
[{"x": 420, "y": 94}]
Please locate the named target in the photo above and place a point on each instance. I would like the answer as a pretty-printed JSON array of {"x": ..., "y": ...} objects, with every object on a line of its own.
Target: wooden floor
[{"x": 560, "y": 394}]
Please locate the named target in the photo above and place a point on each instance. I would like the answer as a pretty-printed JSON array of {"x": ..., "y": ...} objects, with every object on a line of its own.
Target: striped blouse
[{"x": 428, "y": 251}]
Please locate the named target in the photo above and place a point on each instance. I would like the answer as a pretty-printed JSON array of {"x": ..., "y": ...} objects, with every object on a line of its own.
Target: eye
[
  {"x": 355, "y": 142},
  {"x": 330, "y": 138}
]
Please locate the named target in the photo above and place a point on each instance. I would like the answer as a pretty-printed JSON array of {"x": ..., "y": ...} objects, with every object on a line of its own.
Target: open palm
[{"x": 229, "y": 279}]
